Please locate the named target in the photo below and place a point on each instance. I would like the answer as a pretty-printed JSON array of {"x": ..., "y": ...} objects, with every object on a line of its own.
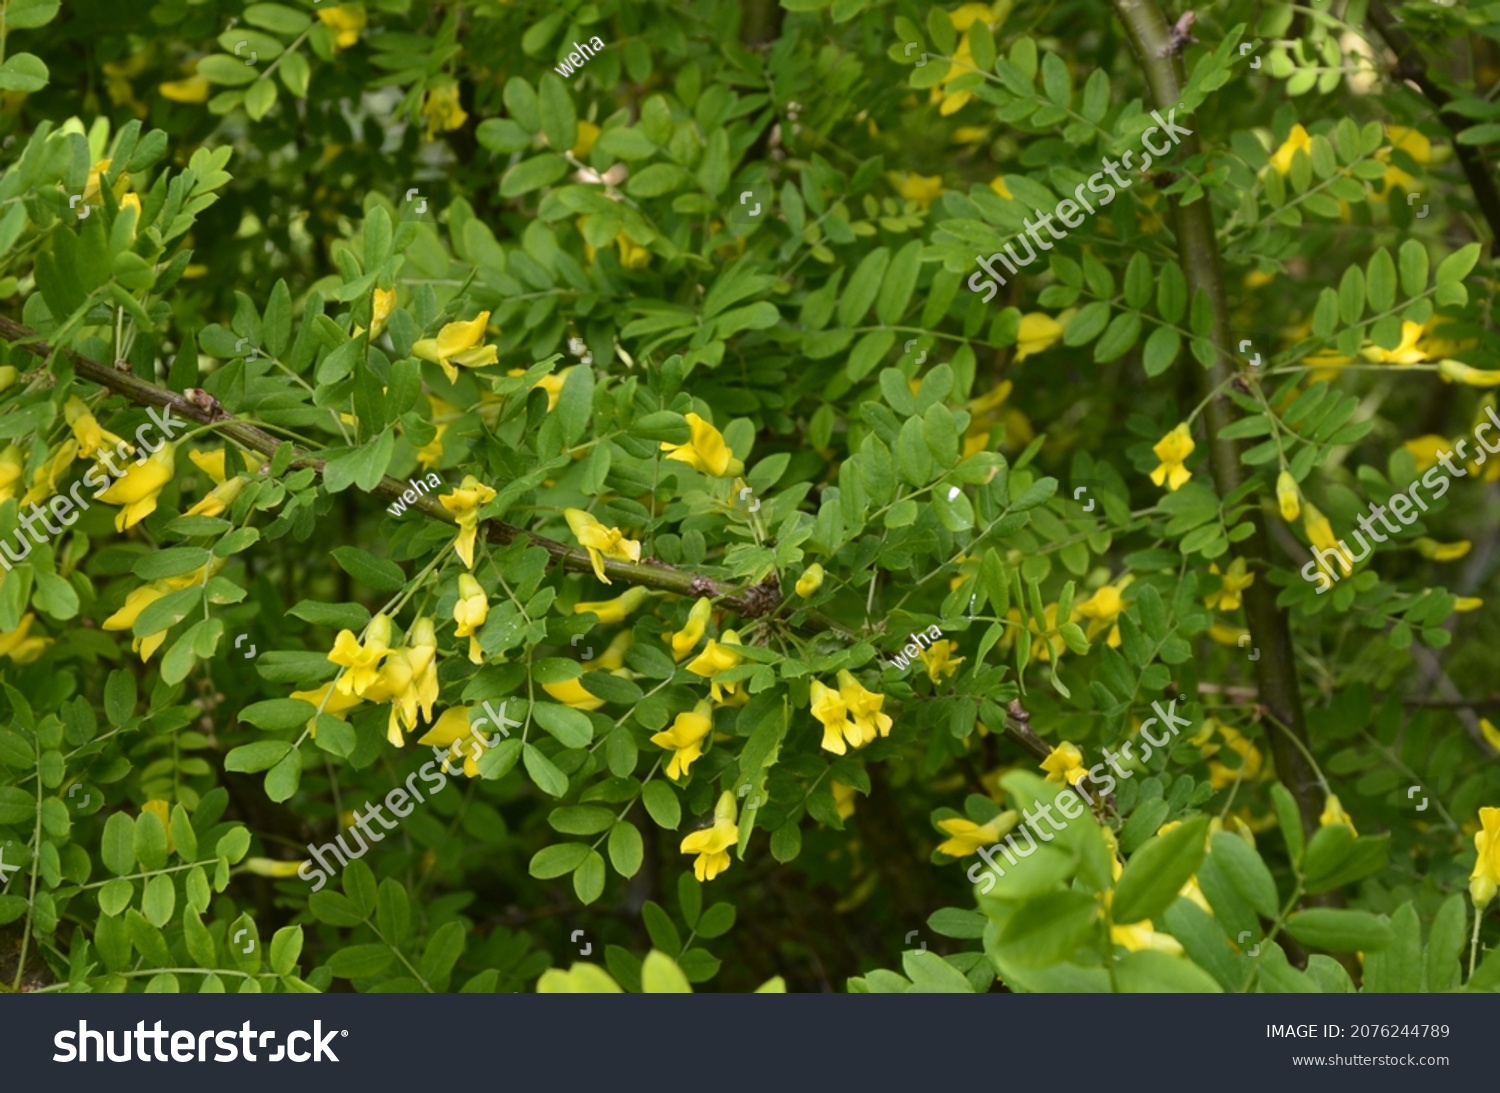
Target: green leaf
[
  {"x": 559, "y": 118},
  {"x": 1413, "y": 268},
  {"x": 662, "y": 805},
  {"x": 900, "y": 281},
  {"x": 283, "y": 779},
  {"x": 277, "y": 714},
  {"x": 1341, "y": 931},
  {"x": 23, "y": 72},
  {"x": 626, "y": 849},
  {"x": 150, "y": 846},
  {"x": 661, "y": 975},
  {"x": 118, "y": 845},
  {"x": 261, "y": 755},
  {"x": 1158, "y": 870},
  {"x": 588, "y": 878},
  {"x": 1457, "y": 265},
  {"x": 1445, "y": 944},
  {"x": 1380, "y": 281},
  {"x": 532, "y": 174},
  {"x": 1247, "y": 872},
  {"x": 543, "y": 771},
  {"x": 30, "y": 14},
  {"x": 931, "y": 974},
  {"x": 375, "y": 573},
  {"x": 1397, "y": 969},
  {"x": 1087, "y": 324},
  {"x": 863, "y": 287},
  {"x": 1335, "y": 858},
  {"x": 360, "y": 961},
  {"x": 159, "y": 900},
  {"x": 1161, "y": 973},
  {"x": 286, "y": 947}
]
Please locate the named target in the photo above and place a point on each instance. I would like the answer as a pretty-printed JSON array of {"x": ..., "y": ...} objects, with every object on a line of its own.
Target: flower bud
[
  {"x": 1288, "y": 497},
  {"x": 1452, "y": 371}
]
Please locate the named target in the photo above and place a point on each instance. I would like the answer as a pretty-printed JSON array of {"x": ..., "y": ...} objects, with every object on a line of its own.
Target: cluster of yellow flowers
[{"x": 851, "y": 713}]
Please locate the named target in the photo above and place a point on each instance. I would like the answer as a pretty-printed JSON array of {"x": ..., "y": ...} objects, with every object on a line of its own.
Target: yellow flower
[
  {"x": 810, "y": 581},
  {"x": 1414, "y": 144},
  {"x": 1463, "y": 373},
  {"x": 382, "y": 303},
  {"x": 1288, "y": 497},
  {"x": 965, "y": 837},
  {"x": 1226, "y": 635},
  {"x": 193, "y": 89},
  {"x": 1038, "y": 332},
  {"x": 600, "y": 541},
  {"x": 1173, "y": 450},
  {"x": 1487, "y": 866},
  {"x": 843, "y": 799},
  {"x": 588, "y": 133},
  {"x": 864, "y": 708},
  {"x": 1064, "y": 764},
  {"x": 1141, "y": 937},
  {"x": 470, "y": 610},
  {"x": 615, "y": 611},
  {"x": 327, "y": 699},
  {"x": 136, "y": 601},
  {"x": 1232, "y": 585},
  {"x": 138, "y": 490},
  {"x": 429, "y": 454},
  {"x": 684, "y": 641},
  {"x": 1297, "y": 140},
  {"x": 1465, "y": 604},
  {"x": 1219, "y": 774},
  {"x": 218, "y": 499},
  {"x": 717, "y": 658},
  {"x": 442, "y": 108},
  {"x": 1491, "y": 734},
  {"x": 940, "y": 661},
  {"x": 270, "y": 867},
  {"x": 1104, "y": 608},
  {"x": 1442, "y": 552},
  {"x": 552, "y": 383},
  {"x": 633, "y": 255},
  {"x": 44, "y": 478},
  {"x": 458, "y": 343},
  {"x": 923, "y": 189},
  {"x": 408, "y": 681},
  {"x": 572, "y": 693},
  {"x": 23, "y": 649},
  {"x": 685, "y": 738},
  {"x": 966, "y": 15},
  {"x": 1001, "y": 189},
  {"x": 1408, "y": 352},
  {"x": 362, "y": 659},
  {"x": 705, "y": 450},
  {"x": 712, "y": 844},
  {"x": 1320, "y": 533},
  {"x": 1426, "y": 448},
  {"x": 453, "y": 731},
  {"x": 346, "y": 21},
  {"x": 464, "y": 503},
  {"x": 1333, "y": 813},
  {"x": 12, "y": 467},
  {"x": 828, "y": 706},
  {"x": 90, "y": 436}
]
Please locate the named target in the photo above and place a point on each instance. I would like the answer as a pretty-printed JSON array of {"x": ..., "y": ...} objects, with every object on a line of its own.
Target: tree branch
[
  {"x": 754, "y": 601},
  {"x": 1276, "y": 670}
]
